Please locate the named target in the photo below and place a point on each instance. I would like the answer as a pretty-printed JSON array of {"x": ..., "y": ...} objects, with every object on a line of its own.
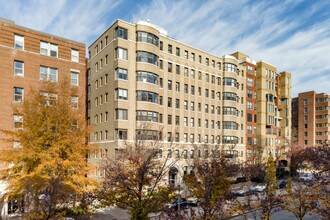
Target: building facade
[
  {"x": 139, "y": 75},
  {"x": 268, "y": 106},
  {"x": 311, "y": 119},
  {"x": 27, "y": 57}
]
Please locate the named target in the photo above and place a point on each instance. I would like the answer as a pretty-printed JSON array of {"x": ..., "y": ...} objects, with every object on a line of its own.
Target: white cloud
[
  {"x": 80, "y": 20},
  {"x": 260, "y": 29}
]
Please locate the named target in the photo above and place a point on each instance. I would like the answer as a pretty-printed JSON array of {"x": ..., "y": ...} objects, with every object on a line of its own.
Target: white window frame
[
  {"x": 121, "y": 53},
  {"x": 15, "y": 68},
  {"x": 121, "y": 94},
  {"x": 18, "y": 42},
  {"x": 18, "y": 98},
  {"x": 47, "y": 48},
  {"x": 48, "y": 74},
  {"x": 75, "y": 55},
  {"x": 74, "y": 82}
]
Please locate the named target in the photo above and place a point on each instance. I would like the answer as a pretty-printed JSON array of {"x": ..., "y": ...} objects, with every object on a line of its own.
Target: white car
[
  {"x": 306, "y": 176},
  {"x": 259, "y": 188}
]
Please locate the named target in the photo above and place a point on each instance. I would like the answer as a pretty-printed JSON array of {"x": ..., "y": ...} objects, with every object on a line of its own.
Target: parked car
[
  {"x": 260, "y": 188},
  {"x": 252, "y": 188},
  {"x": 242, "y": 191},
  {"x": 306, "y": 177},
  {"x": 282, "y": 184},
  {"x": 183, "y": 203}
]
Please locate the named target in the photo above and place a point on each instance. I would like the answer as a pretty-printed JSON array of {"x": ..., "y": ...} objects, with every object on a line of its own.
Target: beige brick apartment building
[
  {"x": 137, "y": 74},
  {"x": 26, "y": 58},
  {"x": 311, "y": 118}
]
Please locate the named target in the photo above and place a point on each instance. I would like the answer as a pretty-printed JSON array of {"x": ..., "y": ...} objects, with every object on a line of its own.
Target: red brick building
[
  {"x": 311, "y": 118},
  {"x": 26, "y": 58}
]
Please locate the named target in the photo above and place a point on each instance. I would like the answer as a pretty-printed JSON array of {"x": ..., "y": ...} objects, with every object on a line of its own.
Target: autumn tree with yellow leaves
[{"x": 47, "y": 167}]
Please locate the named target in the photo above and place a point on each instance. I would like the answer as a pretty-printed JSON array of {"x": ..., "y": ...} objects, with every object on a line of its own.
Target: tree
[
  {"x": 47, "y": 167},
  {"x": 269, "y": 201},
  {"x": 300, "y": 199},
  {"x": 135, "y": 179},
  {"x": 313, "y": 195},
  {"x": 210, "y": 183}
]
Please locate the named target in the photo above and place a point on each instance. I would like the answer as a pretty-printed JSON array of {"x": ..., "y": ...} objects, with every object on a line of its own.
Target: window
[
  {"x": 177, "y": 87},
  {"x": 249, "y": 117},
  {"x": 121, "y": 94},
  {"x": 48, "y": 73},
  {"x": 74, "y": 55},
  {"x": 229, "y": 111},
  {"x": 177, "y": 69},
  {"x": 161, "y": 45},
  {"x": 249, "y": 105},
  {"x": 169, "y": 102},
  {"x": 18, "y": 121},
  {"x": 219, "y": 65},
  {"x": 147, "y": 96},
  {"x": 169, "y": 136},
  {"x": 229, "y": 140},
  {"x": 230, "y": 125},
  {"x": 177, "y": 52},
  {"x": 193, "y": 73},
  {"x": 169, "y": 119},
  {"x": 192, "y": 122},
  {"x": 185, "y": 121},
  {"x": 74, "y": 78},
  {"x": 147, "y": 37},
  {"x": 250, "y": 82},
  {"x": 121, "y": 134},
  {"x": 177, "y": 120},
  {"x": 185, "y": 72},
  {"x": 121, "y": 53},
  {"x": 74, "y": 101},
  {"x": 146, "y": 116},
  {"x": 18, "y": 42},
  {"x": 230, "y": 67},
  {"x": 147, "y": 57},
  {"x": 18, "y": 68},
  {"x": 18, "y": 94},
  {"x": 149, "y": 77},
  {"x": 169, "y": 67},
  {"x": 207, "y": 77},
  {"x": 121, "y": 73},
  {"x": 169, "y": 49},
  {"x": 229, "y": 82},
  {"x": 192, "y": 106},
  {"x": 185, "y": 105},
  {"x": 207, "y": 61},
  {"x": 48, "y": 49},
  {"x": 192, "y": 90},
  {"x": 305, "y": 101},
  {"x": 177, "y": 103},
  {"x": 229, "y": 96},
  {"x": 121, "y": 114},
  {"x": 249, "y": 93},
  {"x": 186, "y": 54},
  {"x": 121, "y": 33},
  {"x": 161, "y": 64},
  {"x": 185, "y": 88},
  {"x": 192, "y": 56}
]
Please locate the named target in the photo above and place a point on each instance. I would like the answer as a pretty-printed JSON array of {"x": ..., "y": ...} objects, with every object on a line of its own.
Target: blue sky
[{"x": 294, "y": 35}]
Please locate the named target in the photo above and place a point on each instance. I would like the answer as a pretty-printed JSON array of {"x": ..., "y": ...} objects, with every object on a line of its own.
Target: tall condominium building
[
  {"x": 311, "y": 119},
  {"x": 268, "y": 109},
  {"x": 137, "y": 74},
  {"x": 28, "y": 57}
]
